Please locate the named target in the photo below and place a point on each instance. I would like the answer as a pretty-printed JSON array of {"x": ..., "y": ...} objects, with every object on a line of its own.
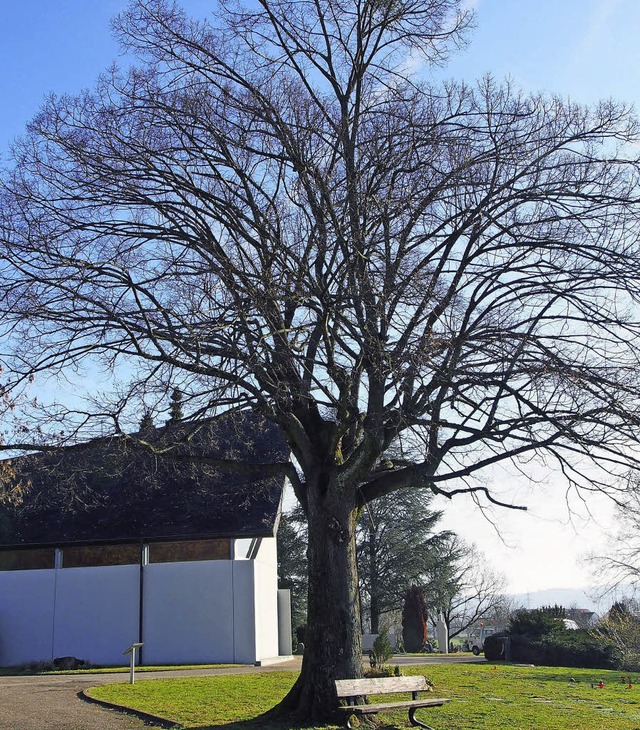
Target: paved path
[{"x": 51, "y": 702}]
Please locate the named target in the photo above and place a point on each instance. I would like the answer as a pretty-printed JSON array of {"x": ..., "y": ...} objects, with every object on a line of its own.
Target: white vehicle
[
  {"x": 476, "y": 637},
  {"x": 475, "y": 646}
]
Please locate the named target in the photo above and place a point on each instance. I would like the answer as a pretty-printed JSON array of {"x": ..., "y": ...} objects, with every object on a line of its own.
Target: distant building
[
  {"x": 109, "y": 545},
  {"x": 584, "y": 617}
]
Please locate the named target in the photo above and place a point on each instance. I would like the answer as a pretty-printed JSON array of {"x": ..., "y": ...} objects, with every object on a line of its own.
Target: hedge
[{"x": 560, "y": 649}]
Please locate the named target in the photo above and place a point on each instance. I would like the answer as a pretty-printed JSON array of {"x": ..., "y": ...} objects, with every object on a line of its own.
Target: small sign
[{"x": 133, "y": 647}]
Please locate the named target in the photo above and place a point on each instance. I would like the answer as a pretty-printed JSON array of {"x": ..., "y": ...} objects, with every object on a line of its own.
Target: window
[{"x": 188, "y": 550}]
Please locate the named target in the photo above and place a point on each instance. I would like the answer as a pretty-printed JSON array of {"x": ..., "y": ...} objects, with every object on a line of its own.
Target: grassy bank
[{"x": 484, "y": 698}]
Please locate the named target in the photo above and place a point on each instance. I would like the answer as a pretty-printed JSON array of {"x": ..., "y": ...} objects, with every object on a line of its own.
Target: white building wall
[
  {"x": 96, "y": 613},
  {"x": 26, "y": 616},
  {"x": 188, "y": 612},
  {"x": 266, "y": 593},
  {"x": 200, "y": 611},
  {"x": 244, "y": 622}
]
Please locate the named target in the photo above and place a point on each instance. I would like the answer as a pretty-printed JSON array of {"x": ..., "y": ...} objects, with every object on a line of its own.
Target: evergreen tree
[
  {"x": 292, "y": 564},
  {"x": 147, "y": 425},
  {"x": 398, "y": 545},
  {"x": 414, "y": 620},
  {"x": 176, "y": 412}
]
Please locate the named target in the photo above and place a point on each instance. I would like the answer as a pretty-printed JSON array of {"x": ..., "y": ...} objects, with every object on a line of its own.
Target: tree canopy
[{"x": 274, "y": 210}]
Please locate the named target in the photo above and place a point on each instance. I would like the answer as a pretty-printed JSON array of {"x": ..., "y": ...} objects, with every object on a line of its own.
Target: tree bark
[{"x": 333, "y": 639}]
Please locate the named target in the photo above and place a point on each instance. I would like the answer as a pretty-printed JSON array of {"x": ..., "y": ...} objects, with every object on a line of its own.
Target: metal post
[
  {"x": 132, "y": 660},
  {"x": 132, "y": 667}
]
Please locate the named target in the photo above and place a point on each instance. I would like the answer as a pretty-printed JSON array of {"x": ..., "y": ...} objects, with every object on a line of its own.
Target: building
[
  {"x": 584, "y": 617},
  {"x": 104, "y": 546}
]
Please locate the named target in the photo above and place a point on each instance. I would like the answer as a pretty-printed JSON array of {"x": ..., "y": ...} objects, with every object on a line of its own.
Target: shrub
[
  {"x": 540, "y": 637},
  {"x": 630, "y": 662},
  {"x": 386, "y": 671},
  {"x": 567, "y": 649},
  {"x": 535, "y": 623},
  {"x": 382, "y": 649},
  {"x": 622, "y": 628}
]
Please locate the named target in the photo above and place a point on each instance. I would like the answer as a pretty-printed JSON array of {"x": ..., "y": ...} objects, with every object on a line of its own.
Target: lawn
[{"x": 484, "y": 698}]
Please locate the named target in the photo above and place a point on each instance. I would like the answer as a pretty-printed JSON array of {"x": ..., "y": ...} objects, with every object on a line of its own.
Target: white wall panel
[
  {"x": 26, "y": 616},
  {"x": 96, "y": 613},
  {"x": 244, "y": 623},
  {"x": 188, "y": 612},
  {"x": 266, "y": 599}
]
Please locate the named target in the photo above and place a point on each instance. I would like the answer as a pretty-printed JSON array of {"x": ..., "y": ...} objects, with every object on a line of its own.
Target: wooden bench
[{"x": 354, "y": 690}]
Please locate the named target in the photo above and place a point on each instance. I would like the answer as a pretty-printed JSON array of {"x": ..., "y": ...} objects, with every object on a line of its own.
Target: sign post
[{"x": 132, "y": 665}]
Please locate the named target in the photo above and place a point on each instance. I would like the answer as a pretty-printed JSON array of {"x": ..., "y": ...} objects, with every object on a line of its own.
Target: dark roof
[{"x": 114, "y": 492}]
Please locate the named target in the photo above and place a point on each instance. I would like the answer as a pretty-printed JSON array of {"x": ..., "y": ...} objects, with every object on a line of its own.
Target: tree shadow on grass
[
  {"x": 265, "y": 723},
  {"x": 255, "y": 724}
]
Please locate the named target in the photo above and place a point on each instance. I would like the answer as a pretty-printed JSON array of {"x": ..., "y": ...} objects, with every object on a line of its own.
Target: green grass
[
  {"x": 483, "y": 698},
  {"x": 202, "y": 701}
]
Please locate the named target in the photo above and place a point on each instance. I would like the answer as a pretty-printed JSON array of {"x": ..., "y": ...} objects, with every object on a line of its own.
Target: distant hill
[{"x": 587, "y": 597}]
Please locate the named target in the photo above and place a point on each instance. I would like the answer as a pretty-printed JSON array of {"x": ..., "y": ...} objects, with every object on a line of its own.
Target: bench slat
[
  {"x": 381, "y": 707},
  {"x": 380, "y": 685}
]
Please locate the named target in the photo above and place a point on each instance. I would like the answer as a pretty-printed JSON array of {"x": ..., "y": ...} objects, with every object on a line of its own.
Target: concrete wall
[
  {"x": 200, "y": 611},
  {"x": 96, "y": 612},
  {"x": 266, "y": 576},
  {"x": 26, "y": 616},
  {"x": 188, "y": 613},
  {"x": 244, "y": 611},
  {"x": 89, "y": 613}
]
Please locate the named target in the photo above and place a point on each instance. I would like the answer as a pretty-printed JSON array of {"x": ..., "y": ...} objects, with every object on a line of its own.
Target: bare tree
[
  {"x": 621, "y": 561},
  {"x": 464, "y": 589},
  {"x": 273, "y": 211}
]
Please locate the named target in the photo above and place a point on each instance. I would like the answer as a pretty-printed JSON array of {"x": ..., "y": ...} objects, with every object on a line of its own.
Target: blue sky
[
  {"x": 584, "y": 49},
  {"x": 49, "y": 46}
]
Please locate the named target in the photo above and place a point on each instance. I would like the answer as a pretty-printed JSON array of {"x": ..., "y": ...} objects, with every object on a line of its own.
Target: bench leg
[
  {"x": 414, "y": 720},
  {"x": 349, "y": 726}
]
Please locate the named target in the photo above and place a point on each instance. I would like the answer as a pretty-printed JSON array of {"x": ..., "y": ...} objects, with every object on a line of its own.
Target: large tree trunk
[{"x": 333, "y": 639}]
